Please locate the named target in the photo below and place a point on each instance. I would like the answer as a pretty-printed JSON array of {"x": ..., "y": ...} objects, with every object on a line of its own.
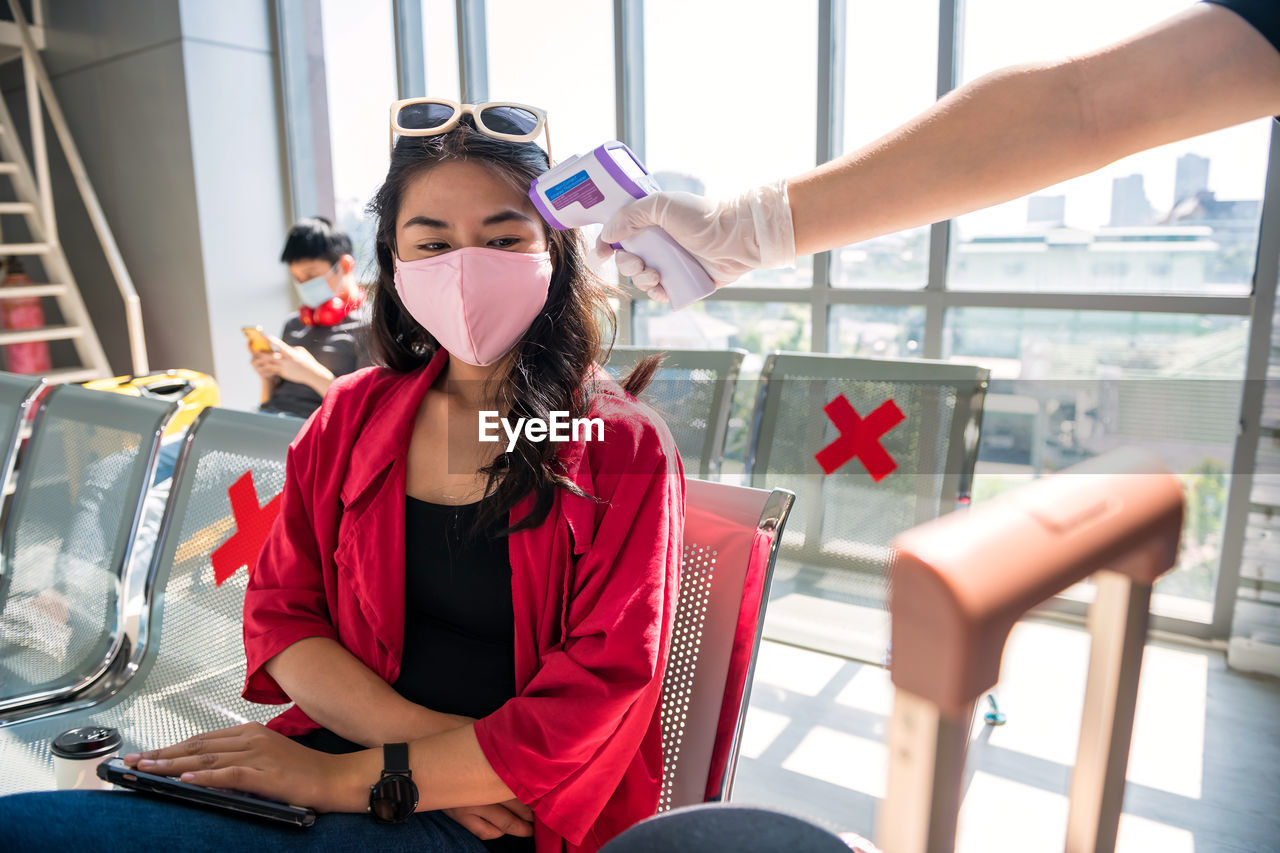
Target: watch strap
[
  {"x": 394, "y": 797},
  {"x": 395, "y": 759}
]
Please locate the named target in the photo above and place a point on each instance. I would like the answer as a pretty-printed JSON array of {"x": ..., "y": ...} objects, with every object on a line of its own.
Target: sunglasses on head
[{"x": 499, "y": 119}]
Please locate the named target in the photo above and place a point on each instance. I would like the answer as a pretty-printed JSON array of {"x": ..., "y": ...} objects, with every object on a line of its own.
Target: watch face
[{"x": 393, "y": 798}]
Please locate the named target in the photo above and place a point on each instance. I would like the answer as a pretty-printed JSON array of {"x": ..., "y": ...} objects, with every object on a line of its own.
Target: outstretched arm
[
  {"x": 1020, "y": 129},
  {"x": 1004, "y": 135}
]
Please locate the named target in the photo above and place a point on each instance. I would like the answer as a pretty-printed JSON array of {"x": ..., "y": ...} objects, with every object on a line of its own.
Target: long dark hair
[{"x": 550, "y": 370}]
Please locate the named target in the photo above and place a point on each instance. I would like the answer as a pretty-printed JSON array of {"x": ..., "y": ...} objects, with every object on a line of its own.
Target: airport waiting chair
[
  {"x": 17, "y": 394},
  {"x": 897, "y": 470},
  {"x": 731, "y": 537},
  {"x": 693, "y": 391},
  {"x": 67, "y": 542},
  {"x": 188, "y": 661}
]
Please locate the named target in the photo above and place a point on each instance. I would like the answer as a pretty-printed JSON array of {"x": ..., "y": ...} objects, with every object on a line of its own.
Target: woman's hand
[
  {"x": 257, "y": 760},
  {"x": 486, "y": 822}
]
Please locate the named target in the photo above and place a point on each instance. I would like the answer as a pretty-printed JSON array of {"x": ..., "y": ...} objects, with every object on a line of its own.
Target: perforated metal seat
[
  {"x": 17, "y": 394},
  {"x": 693, "y": 390},
  {"x": 68, "y": 539},
  {"x": 838, "y": 547},
  {"x": 731, "y": 538},
  {"x": 188, "y": 662}
]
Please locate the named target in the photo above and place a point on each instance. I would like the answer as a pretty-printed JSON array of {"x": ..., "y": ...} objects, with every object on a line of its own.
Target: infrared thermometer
[{"x": 591, "y": 188}]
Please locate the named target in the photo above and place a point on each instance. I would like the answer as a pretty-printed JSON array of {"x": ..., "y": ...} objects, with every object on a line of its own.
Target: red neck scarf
[{"x": 333, "y": 312}]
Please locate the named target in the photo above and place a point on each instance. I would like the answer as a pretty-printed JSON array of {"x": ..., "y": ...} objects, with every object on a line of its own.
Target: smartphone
[
  {"x": 257, "y": 340},
  {"x": 114, "y": 770}
]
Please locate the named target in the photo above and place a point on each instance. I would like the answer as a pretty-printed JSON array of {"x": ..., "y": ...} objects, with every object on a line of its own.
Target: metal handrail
[{"x": 124, "y": 283}]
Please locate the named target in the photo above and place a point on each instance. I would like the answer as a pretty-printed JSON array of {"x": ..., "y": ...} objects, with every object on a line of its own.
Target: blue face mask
[{"x": 315, "y": 292}]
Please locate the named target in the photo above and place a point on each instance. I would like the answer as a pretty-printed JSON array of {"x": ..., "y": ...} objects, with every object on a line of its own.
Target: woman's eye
[
  {"x": 504, "y": 242},
  {"x": 432, "y": 247}
]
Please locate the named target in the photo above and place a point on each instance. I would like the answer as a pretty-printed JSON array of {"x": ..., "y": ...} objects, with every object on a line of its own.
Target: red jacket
[{"x": 593, "y": 589}]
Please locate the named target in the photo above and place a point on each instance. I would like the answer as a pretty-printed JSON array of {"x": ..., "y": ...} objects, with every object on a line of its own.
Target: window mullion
[
  {"x": 473, "y": 56},
  {"x": 830, "y": 132},
  {"x": 949, "y": 43}
]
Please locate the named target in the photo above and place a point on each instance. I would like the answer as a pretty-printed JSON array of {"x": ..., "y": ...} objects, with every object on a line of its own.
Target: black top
[
  {"x": 459, "y": 627},
  {"x": 459, "y": 634},
  {"x": 1263, "y": 14},
  {"x": 339, "y": 348}
]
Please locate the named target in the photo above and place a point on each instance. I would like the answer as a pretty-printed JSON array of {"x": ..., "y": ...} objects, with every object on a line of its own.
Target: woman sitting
[{"x": 507, "y": 614}]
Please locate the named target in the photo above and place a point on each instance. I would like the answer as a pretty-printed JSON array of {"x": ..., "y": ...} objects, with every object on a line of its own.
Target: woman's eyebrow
[
  {"x": 426, "y": 222},
  {"x": 507, "y": 216},
  {"x": 496, "y": 219}
]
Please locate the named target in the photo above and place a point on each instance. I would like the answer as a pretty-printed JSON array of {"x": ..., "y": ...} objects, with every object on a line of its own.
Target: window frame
[{"x": 306, "y": 148}]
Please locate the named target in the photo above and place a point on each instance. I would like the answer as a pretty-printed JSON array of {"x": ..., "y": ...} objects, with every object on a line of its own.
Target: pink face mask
[{"x": 476, "y": 301}]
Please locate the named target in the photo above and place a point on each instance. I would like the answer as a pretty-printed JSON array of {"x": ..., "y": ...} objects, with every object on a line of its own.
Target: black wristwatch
[{"x": 394, "y": 796}]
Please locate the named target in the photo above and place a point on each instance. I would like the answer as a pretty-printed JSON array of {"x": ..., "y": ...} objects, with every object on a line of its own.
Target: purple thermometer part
[
  {"x": 545, "y": 211},
  {"x": 615, "y": 171}
]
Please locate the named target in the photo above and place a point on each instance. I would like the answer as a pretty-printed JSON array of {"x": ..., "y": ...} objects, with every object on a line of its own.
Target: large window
[
  {"x": 1111, "y": 309},
  {"x": 1180, "y": 219},
  {"x": 1070, "y": 385},
  {"x": 360, "y": 73},
  {"x": 729, "y": 98},
  {"x": 877, "y": 331},
  {"x": 1174, "y": 222},
  {"x": 757, "y": 327},
  {"x": 440, "y": 50},
  {"x": 902, "y": 36},
  {"x": 558, "y": 57}
]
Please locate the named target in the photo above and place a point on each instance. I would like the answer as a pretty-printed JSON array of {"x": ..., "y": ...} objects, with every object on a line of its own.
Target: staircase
[{"x": 34, "y": 207}]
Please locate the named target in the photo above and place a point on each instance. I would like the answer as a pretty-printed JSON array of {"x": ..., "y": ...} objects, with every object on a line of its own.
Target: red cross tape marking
[
  {"x": 860, "y": 437},
  {"x": 252, "y": 524}
]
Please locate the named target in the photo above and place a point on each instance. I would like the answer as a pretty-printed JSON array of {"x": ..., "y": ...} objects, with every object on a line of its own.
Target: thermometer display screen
[{"x": 629, "y": 166}]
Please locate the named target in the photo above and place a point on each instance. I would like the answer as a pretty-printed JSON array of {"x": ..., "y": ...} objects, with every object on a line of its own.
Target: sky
[{"x": 730, "y": 85}]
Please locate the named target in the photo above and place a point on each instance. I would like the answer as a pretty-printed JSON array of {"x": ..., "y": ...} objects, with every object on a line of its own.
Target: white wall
[
  {"x": 174, "y": 107},
  {"x": 233, "y": 110}
]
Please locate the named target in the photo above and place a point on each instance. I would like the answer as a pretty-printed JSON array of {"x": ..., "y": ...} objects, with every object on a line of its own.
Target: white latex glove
[{"x": 729, "y": 238}]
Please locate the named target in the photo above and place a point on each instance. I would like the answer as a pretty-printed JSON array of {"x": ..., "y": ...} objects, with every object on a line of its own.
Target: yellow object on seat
[{"x": 193, "y": 389}]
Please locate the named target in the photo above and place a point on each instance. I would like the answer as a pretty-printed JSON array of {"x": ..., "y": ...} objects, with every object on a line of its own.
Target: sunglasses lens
[
  {"x": 423, "y": 116},
  {"x": 512, "y": 120}
]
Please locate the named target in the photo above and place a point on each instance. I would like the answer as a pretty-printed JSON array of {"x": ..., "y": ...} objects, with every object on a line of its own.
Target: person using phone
[
  {"x": 257, "y": 339},
  {"x": 1004, "y": 135},
  {"x": 473, "y": 638},
  {"x": 324, "y": 339}
]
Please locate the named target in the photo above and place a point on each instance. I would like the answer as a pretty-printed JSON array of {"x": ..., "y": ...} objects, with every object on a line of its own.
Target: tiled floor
[{"x": 1204, "y": 768}]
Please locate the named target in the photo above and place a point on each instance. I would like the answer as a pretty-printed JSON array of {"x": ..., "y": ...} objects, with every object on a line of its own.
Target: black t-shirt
[
  {"x": 459, "y": 627},
  {"x": 1264, "y": 15},
  {"x": 339, "y": 348},
  {"x": 459, "y": 624}
]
